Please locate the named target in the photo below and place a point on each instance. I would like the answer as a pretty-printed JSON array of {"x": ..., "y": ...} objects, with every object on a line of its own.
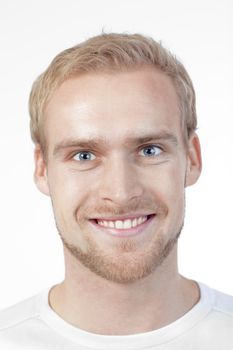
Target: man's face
[{"x": 116, "y": 170}]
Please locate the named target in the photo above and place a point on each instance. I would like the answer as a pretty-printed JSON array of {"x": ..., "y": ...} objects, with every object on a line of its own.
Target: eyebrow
[{"x": 101, "y": 142}]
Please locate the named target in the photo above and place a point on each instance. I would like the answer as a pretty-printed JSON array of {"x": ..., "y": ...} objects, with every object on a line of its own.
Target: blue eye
[
  {"x": 84, "y": 156},
  {"x": 151, "y": 151}
]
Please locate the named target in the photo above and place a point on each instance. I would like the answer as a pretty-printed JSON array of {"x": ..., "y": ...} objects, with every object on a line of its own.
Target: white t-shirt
[{"x": 32, "y": 324}]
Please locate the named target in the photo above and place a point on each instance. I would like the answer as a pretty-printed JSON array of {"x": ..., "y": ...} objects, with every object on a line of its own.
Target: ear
[
  {"x": 194, "y": 161},
  {"x": 40, "y": 173}
]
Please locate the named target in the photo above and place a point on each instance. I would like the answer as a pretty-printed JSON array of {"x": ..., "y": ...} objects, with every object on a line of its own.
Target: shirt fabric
[{"x": 32, "y": 324}]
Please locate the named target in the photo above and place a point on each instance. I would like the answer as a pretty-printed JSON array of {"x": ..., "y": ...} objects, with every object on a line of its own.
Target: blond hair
[{"x": 111, "y": 52}]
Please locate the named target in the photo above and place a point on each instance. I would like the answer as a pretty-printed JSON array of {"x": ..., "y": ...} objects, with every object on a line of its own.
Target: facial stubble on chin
[{"x": 128, "y": 264}]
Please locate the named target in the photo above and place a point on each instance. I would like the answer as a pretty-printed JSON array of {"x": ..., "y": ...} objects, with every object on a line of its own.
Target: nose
[{"x": 120, "y": 182}]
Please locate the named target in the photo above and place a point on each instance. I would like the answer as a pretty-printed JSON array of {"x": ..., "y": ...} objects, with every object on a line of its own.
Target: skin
[{"x": 132, "y": 282}]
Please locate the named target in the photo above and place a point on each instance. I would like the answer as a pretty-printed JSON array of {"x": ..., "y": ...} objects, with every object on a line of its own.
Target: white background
[{"x": 31, "y": 33}]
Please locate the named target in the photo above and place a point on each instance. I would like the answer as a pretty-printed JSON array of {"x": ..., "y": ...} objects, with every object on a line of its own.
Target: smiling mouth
[{"x": 123, "y": 227}]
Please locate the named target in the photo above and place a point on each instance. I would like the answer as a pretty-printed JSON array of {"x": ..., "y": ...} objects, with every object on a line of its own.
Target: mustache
[{"x": 142, "y": 206}]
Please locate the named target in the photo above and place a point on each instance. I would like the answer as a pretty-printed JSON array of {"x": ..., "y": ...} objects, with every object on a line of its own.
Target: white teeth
[
  {"x": 127, "y": 224},
  {"x": 140, "y": 220},
  {"x": 119, "y": 224},
  {"x": 111, "y": 224},
  {"x": 123, "y": 224}
]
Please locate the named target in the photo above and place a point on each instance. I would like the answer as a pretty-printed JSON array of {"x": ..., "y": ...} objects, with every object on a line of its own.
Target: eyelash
[
  {"x": 150, "y": 146},
  {"x": 141, "y": 149}
]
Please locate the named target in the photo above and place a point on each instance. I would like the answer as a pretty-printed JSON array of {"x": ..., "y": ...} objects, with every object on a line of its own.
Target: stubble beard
[{"x": 128, "y": 263}]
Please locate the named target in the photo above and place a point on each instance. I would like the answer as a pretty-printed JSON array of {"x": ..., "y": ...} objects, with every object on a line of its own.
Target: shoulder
[
  {"x": 18, "y": 313},
  {"x": 223, "y": 302},
  {"x": 220, "y": 304}
]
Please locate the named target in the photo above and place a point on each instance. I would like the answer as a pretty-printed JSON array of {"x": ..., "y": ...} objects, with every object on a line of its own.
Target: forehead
[{"x": 112, "y": 106}]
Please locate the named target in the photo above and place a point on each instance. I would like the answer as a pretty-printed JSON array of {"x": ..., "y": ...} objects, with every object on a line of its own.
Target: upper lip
[{"x": 124, "y": 217}]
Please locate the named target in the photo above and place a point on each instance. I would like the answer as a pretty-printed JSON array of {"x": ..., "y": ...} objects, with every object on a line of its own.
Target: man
[{"x": 113, "y": 121}]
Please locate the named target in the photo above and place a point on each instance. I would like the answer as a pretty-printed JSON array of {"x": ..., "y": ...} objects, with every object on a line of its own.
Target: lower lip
[{"x": 134, "y": 231}]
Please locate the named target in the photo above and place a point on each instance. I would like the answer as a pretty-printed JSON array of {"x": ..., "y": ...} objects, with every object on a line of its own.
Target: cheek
[
  {"x": 168, "y": 178},
  {"x": 167, "y": 185},
  {"x": 175, "y": 190},
  {"x": 67, "y": 189}
]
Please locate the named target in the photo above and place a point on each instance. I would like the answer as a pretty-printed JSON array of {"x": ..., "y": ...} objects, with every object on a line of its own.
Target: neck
[{"x": 142, "y": 306}]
